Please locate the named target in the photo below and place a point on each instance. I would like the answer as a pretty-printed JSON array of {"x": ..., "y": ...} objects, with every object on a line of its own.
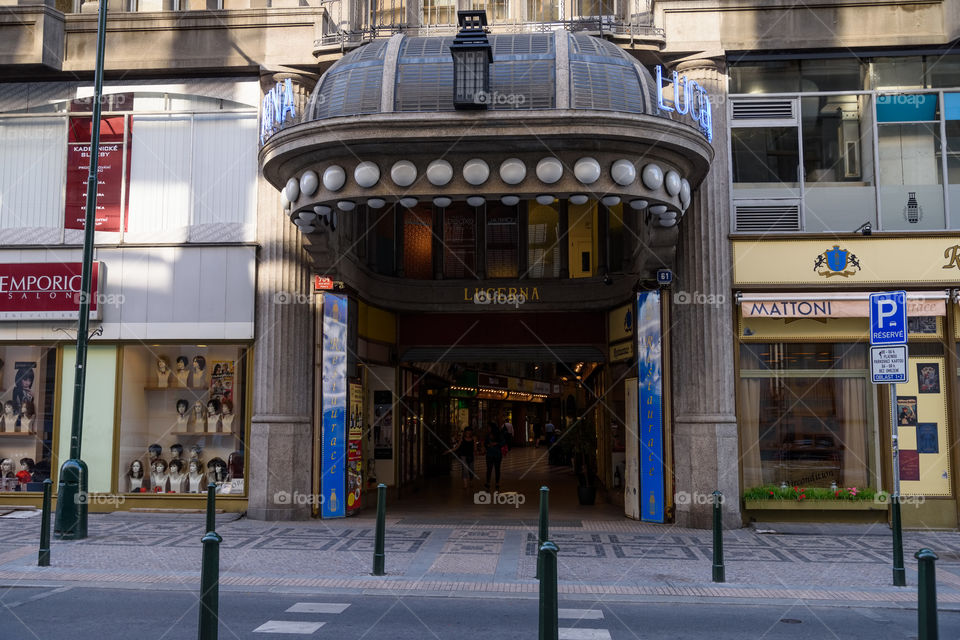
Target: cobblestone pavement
[{"x": 615, "y": 558}]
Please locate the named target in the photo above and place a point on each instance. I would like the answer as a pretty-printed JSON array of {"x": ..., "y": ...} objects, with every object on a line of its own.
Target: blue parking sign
[{"x": 888, "y": 317}]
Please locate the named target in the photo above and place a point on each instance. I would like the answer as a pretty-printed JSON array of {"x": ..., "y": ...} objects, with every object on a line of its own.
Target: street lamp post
[{"x": 71, "y": 519}]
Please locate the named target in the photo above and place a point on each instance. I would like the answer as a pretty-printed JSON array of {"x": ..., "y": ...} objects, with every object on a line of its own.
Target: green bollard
[
  {"x": 43, "y": 558},
  {"x": 210, "y": 587},
  {"x": 719, "y": 571},
  {"x": 544, "y": 532},
  {"x": 549, "y": 627},
  {"x": 379, "y": 561},
  {"x": 927, "y": 595},
  {"x": 899, "y": 573},
  {"x": 211, "y": 507}
]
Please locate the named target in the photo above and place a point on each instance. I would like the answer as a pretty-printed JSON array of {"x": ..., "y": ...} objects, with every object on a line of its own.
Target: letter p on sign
[{"x": 888, "y": 318}]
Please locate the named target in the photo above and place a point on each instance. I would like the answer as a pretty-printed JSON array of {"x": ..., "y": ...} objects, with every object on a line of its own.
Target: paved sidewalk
[{"x": 609, "y": 558}]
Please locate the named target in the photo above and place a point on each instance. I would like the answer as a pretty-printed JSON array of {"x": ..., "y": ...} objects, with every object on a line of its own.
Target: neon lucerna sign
[
  {"x": 695, "y": 103},
  {"x": 278, "y": 105}
]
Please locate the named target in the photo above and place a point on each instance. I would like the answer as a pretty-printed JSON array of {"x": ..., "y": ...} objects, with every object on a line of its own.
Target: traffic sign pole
[
  {"x": 888, "y": 327},
  {"x": 899, "y": 573}
]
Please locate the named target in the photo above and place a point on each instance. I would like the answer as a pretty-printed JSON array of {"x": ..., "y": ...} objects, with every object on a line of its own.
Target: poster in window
[
  {"x": 382, "y": 425},
  {"x": 928, "y": 377},
  {"x": 907, "y": 411},
  {"x": 355, "y": 449},
  {"x": 909, "y": 465},
  {"x": 927, "y": 439},
  {"x": 221, "y": 380},
  {"x": 20, "y": 411}
]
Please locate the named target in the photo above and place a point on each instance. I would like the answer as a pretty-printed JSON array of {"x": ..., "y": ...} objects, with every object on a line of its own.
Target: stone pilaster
[
  {"x": 281, "y": 433},
  {"x": 706, "y": 452}
]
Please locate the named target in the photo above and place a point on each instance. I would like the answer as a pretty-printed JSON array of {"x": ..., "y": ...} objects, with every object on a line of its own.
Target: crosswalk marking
[
  {"x": 580, "y": 614},
  {"x": 288, "y": 626},
  {"x": 583, "y": 634},
  {"x": 318, "y": 607}
]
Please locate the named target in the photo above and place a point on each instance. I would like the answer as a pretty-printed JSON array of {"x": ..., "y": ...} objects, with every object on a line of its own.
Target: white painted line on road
[
  {"x": 287, "y": 626},
  {"x": 318, "y": 607},
  {"x": 580, "y": 614},
  {"x": 583, "y": 634}
]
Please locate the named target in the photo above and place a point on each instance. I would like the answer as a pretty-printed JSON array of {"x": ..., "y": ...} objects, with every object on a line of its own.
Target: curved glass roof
[{"x": 523, "y": 77}]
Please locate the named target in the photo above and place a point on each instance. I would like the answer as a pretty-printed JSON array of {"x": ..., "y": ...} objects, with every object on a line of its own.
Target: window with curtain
[
  {"x": 806, "y": 416},
  {"x": 459, "y": 242},
  {"x": 543, "y": 246}
]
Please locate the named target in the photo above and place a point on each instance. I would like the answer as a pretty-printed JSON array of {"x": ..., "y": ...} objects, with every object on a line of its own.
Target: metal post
[
  {"x": 719, "y": 571},
  {"x": 549, "y": 627},
  {"x": 71, "y": 519},
  {"x": 211, "y": 505},
  {"x": 899, "y": 573},
  {"x": 209, "y": 585},
  {"x": 43, "y": 558},
  {"x": 927, "y": 626},
  {"x": 544, "y": 523},
  {"x": 379, "y": 561}
]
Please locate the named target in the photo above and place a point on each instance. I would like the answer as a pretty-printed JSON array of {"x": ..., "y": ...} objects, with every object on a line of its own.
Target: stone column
[
  {"x": 706, "y": 452},
  {"x": 281, "y": 433}
]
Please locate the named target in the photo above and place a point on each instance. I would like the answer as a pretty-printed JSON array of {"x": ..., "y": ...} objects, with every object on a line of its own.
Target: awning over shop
[{"x": 833, "y": 305}]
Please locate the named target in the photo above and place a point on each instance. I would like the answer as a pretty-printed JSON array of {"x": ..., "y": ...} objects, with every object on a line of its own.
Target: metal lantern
[{"x": 472, "y": 57}]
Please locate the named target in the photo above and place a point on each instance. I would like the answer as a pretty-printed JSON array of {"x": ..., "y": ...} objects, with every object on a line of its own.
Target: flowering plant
[{"x": 802, "y": 494}]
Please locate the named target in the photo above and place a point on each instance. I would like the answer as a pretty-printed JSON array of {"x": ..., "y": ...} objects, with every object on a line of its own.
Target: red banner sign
[
  {"x": 45, "y": 291},
  {"x": 111, "y": 194},
  {"x": 322, "y": 283}
]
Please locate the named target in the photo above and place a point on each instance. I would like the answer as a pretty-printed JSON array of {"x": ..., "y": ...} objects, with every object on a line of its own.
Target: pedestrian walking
[
  {"x": 493, "y": 444},
  {"x": 507, "y": 431},
  {"x": 465, "y": 450}
]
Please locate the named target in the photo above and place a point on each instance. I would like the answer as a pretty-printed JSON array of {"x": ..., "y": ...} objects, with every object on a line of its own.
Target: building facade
[{"x": 312, "y": 267}]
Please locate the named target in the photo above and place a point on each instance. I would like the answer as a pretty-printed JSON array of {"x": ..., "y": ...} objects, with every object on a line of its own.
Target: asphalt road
[{"x": 79, "y": 613}]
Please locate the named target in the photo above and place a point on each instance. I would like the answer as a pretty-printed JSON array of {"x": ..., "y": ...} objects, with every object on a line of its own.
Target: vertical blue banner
[
  {"x": 650, "y": 378},
  {"x": 334, "y": 448}
]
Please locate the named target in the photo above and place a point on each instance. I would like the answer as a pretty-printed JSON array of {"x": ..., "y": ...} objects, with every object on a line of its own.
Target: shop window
[
  {"x": 615, "y": 238},
  {"x": 418, "y": 242},
  {"x": 543, "y": 11},
  {"x": 765, "y": 155},
  {"x": 944, "y": 70},
  {"x": 832, "y": 74},
  {"x": 439, "y": 12},
  {"x": 382, "y": 220},
  {"x": 807, "y": 415},
  {"x": 459, "y": 242},
  {"x": 838, "y": 162},
  {"x": 582, "y": 239},
  {"x": 911, "y": 195},
  {"x": 182, "y": 422},
  {"x": 951, "y": 107},
  {"x": 543, "y": 246},
  {"x": 765, "y": 77},
  {"x": 897, "y": 73},
  {"x": 502, "y": 241},
  {"x": 497, "y": 10},
  {"x": 27, "y": 381}
]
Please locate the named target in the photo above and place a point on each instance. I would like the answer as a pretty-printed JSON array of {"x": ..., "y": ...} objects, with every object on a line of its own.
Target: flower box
[{"x": 815, "y": 505}]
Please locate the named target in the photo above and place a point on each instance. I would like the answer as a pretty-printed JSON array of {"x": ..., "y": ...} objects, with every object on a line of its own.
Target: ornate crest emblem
[{"x": 835, "y": 262}]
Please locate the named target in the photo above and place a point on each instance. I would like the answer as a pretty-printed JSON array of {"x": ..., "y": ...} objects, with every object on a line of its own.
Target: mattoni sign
[{"x": 45, "y": 291}]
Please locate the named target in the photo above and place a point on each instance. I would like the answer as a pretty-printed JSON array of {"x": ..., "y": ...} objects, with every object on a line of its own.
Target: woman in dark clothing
[
  {"x": 465, "y": 450},
  {"x": 493, "y": 442}
]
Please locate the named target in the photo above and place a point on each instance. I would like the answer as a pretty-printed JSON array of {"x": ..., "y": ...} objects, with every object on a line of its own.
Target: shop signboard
[
  {"x": 46, "y": 290},
  {"x": 355, "y": 449},
  {"x": 650, "y": 369},
  {"x": 113, "y": 166},
  {"x": 334, "y": 398}
]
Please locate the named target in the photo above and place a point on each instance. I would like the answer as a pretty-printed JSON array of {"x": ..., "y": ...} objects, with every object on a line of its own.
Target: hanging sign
[
  {"x": 334, "y": 449},
  {"x": 355, "y": 449}
]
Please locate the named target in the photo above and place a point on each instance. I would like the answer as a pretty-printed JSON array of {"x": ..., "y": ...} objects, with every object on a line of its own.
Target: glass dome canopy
[{"x": 523, "y": 77}]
